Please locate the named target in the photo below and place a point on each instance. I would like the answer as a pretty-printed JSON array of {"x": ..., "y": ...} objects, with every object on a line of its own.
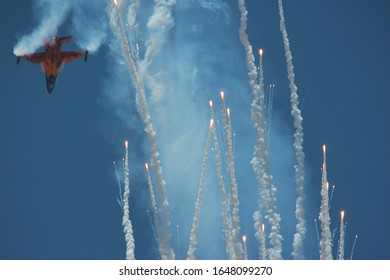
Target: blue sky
[{"x": 57, "y": 181}]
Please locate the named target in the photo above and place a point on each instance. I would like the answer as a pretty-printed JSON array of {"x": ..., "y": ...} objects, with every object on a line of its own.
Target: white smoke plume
[
  {"x": 159, "y": 24},
  {"x": 51, "y": 14},
  {"x": 195, "y": 223},
  {"x": 326, "y": 235},
  {"x": 260, "y": 235},
  {"x": 89, "y": 24},
  {"x": 226, "y": 219},
  {"x": 260, "y": 162},
  {"x": 298, "y": 145},
  {"x": 234, "y": 202},
  {"x": 342, "y": 236},
  {"x": 152, "y": 136},
  {"x": 88, "y": 19},
  {"x": 126, "y": 222}
]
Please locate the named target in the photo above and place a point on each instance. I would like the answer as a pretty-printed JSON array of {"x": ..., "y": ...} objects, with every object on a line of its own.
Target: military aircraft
[{"x": 53, "y": 59}]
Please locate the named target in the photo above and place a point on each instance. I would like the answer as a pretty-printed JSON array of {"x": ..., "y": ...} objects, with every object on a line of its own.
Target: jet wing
[
  {"x": 63, "y": 40},
  {"x": 70, "y": 56},
  {"x": 35, "y": 57}
]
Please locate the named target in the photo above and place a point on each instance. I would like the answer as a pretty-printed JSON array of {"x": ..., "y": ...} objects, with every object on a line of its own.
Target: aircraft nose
[{"x": 50, "y": 82}]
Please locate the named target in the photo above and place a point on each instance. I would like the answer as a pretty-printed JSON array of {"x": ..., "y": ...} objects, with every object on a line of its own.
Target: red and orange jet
[{"x": 53, "y": 59}]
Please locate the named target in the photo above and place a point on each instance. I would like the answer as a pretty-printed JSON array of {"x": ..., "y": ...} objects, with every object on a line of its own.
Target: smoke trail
[
  {"x": 260, "y": 235},
  {"x": 326, "y": 240},
  {"x": 156, "y": 223},
  {"x": 269, "y": 105},
  {"x": 159, "y": 25},
  {"x": 260, "y": 159},
  {"x": 234, "y": 202},
  {"x": 155, "y": 162},
  {"x": 152, "y": 225},
  {"x": 51, "y": 14},
  {"x": 126, "y": 222},
  {"x": 120, "y": 193},
  {"x": 298, "y": 135},
  {"x": 353, "y": 246},
  {"x": 342, "y": 237},
  {"x": 331, "y": 196},
  {"x": 318, "y": 237},
  {"x": 245, "y": 247},
  {"x": 88, "y": 19},
  {"x": 89, "y": 24},
  {"x": 227, "y": 224},
  {"x": 225, "y": 217},
  {"x": 195, "y": 223}
]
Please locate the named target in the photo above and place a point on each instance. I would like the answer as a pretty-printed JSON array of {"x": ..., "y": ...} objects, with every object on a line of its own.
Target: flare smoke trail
[
  {"x": 245, "y": 247},
  {"x": 260, "y": 162},
  {"x": 155, "y": 162},
  {"x": 126, "y": 222},
  {"x": 353, "y": 246},
  {"x": 156, "y": 223},
  {"x": 120, "y": 194},
  {"x": 234, "y": 202},
  {"x": 326, "y": 236},
  {"x": 227, "y": 223},
  {"x": 318, "y": 237},
  {"x": 342, "y": 237},
  {"x": 298, "y": 135},
  {"x": 151, "y": 224},
  {"x": 269, "y": 104},
  {"x": 195, "y": 223}
]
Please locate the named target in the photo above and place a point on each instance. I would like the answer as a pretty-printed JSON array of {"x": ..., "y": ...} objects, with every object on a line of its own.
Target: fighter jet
[{"x": 53, "y": 59}]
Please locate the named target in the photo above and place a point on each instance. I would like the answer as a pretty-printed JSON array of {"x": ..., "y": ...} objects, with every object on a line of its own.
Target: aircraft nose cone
[{"x": 50, "y": 82}]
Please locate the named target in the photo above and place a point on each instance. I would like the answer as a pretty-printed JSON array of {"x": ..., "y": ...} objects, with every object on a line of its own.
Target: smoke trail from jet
[
  {"x": 195, "y": 223},
  {"x": 155, "y": 162},
  {"x": 88, "y": 19},
  {"x": 51, "y": 14},
  {"x": 126, "y": 222},
  {"x": 298, "y": 135},
  {"x": 89, "y": 24},
  {"x": 342, "y": 236},
  {"x": 260, "y": 162},
  {"x": 234, "y": 202},
  {"x": 326, "y": 236}
]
